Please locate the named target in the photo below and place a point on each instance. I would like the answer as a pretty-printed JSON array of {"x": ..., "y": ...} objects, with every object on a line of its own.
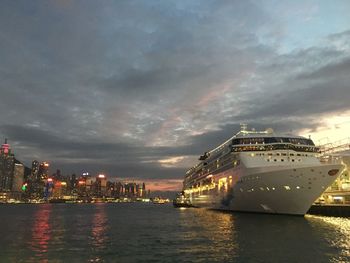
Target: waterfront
[{"x": 138, "y": 232}]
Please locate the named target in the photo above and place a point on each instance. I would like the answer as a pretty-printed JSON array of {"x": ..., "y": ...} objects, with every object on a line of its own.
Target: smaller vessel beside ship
[
  {"x": 160, "y": 201},
  {"x": 181, "y": 201}
]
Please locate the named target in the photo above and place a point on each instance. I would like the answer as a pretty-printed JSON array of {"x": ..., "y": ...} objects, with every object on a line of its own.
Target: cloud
[{"x": 121, "y": 86}]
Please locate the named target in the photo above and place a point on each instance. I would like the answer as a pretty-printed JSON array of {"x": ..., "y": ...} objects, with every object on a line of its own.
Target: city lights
[{"x": 24, "y": 187}]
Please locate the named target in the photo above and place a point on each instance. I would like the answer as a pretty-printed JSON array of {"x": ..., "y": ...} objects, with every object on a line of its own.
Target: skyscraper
[
  {"x": 43, "y": 172},
  {"x": 35, "y": 170},
  {"x": 18, "y": 179},
  {"x": 101, "y": 185},
  {"x": 7, "y": 163}
]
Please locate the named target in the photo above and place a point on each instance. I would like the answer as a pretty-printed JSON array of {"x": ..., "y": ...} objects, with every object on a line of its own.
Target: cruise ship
[{"x": 260, "y": 171}]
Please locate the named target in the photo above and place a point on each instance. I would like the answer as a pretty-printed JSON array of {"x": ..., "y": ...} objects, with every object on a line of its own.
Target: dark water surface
[{"x": 138, "y": 232}]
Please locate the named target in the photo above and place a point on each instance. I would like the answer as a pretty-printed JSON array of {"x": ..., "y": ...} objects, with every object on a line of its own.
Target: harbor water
[{"x": 145, "y": 232}]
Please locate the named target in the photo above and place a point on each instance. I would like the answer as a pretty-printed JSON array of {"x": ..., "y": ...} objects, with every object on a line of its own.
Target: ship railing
[
  {"x": 335, "y": 147},
  {"x": 274, "y": 146},
  {"x": 331, "y": 159}
]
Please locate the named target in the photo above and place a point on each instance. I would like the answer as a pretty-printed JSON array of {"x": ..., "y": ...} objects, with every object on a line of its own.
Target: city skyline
[{"x": 139, "y": 89}]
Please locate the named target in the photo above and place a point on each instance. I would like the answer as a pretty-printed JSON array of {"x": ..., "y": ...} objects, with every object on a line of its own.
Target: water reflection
[
  {"x": 336, "y": 232},
  {"x": 243, "y": 237},
  {"x": 41, "y": 232},
  {"x": 139, "y": 232},
  {"x": 274, "y": 238},
  {"x": 209, "y": 235},
  {"x": 99, "y": 235}
]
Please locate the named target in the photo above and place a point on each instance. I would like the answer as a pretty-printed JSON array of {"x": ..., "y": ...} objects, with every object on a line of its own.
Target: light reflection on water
[
  {"x": 41, "y": 233},
  {"x": 208, "y": 235},
  {"x": 160, "y": 233},
  {"x": 337, "y": 233},
  {"x": 99, "y": 235}
]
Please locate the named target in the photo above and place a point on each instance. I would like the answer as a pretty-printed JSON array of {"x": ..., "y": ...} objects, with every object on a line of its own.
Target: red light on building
[
  {"x": 5, "y": 148},
  {"x": 49, "y": 180},
  {"x": 101, "y": 176},
  {"x": 81, "y": 182}
]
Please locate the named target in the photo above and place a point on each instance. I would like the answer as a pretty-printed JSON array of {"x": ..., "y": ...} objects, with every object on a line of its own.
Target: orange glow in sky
[{"x": 335, "y": 128}]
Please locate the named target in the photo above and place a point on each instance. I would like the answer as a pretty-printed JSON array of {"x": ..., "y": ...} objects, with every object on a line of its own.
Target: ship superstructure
[{"x": 260, "y": 172}]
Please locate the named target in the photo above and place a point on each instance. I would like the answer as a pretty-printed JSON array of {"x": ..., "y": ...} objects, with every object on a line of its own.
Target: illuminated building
[
  {"x": 34, "y": 171},
  {"x": 73, "y": 182},
  {"x": 130, "y": 190},
  {"x": 43, "y": 171},
  {"x": 38, "y": 187},
  {"x": 7, "y": 163},
  {"x": 110, "y": 189},
  {"x": 49, "y": 185},
  {"x": 33, "y": 187},
  {"x": 100, "y": 185},
  {"x": 59, "y": 189},
  {"x": 89, "y": 184},
  {"x": 82, "y": 188},
  {"x": 118, "y": 189},
  {"x": 18, "y": 180},
  {"x": 141, "y": 190}
]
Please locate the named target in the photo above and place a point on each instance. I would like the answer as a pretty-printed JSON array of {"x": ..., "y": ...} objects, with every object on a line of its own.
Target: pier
[{"x": 330, "y": 210}]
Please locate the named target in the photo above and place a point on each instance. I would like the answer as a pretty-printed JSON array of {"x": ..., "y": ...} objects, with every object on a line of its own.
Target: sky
[{"x": 139, "y": 89}]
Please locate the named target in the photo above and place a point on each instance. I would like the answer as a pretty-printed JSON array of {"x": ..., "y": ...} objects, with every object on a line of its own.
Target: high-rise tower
[
  {"x": 7, "y": 164},
  {"x": 43, "y": 171},
  {"x": 35, "y": 170}
]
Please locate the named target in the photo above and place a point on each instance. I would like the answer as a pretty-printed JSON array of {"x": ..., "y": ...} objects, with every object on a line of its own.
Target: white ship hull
[{"x": 275, "y": 189}]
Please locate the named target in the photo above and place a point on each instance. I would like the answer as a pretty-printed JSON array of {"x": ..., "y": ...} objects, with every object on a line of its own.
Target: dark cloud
[
  {"x": 310, "y": 94},
  {"x": 334, "y": 71}
]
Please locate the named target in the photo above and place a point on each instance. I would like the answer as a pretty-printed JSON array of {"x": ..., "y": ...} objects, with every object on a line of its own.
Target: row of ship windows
[
  {"x": 268, "y": 140},
  {"x": 280, "y": 154},
  {"x": 282, "y": 160},
  {"x": 275, "y": 147},
  {"x": 224, "y": 187},
  {"x": 285, "y": 187}
]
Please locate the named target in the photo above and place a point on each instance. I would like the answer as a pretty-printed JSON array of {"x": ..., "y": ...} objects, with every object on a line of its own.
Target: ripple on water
[{"x": 149, "y": 233}]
